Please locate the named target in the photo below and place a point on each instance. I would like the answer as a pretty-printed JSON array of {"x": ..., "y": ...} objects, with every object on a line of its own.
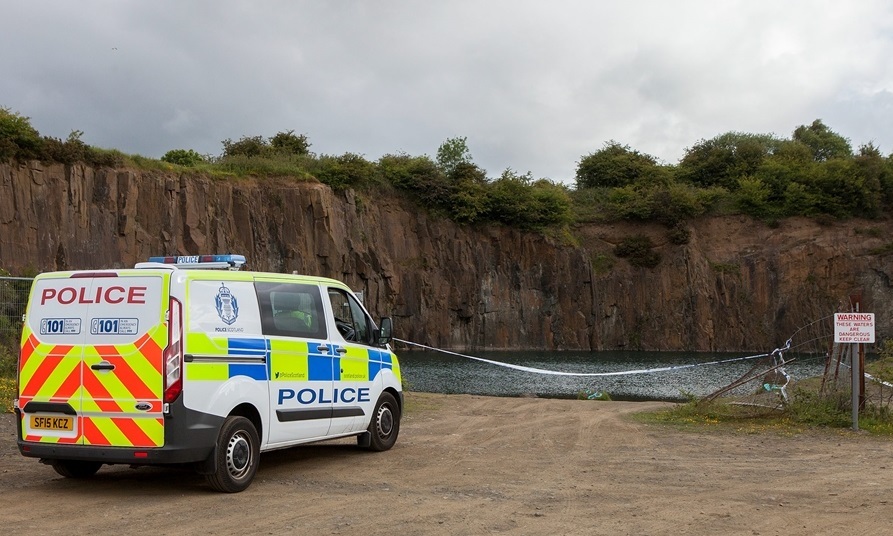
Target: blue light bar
[{"x": 225, "y": 262}]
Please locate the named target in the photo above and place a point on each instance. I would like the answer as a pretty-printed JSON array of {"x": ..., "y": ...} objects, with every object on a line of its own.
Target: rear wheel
[
  {"x": 238, "y": 450},
  {"x": 75, "y": 468},
  {"x": 385, "y": 423}
]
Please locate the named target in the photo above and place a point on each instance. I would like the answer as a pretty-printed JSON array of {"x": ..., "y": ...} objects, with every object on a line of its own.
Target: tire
[
  {"x": 385, "y": 425},
  {"x": 237, "y": 452},
  {"x": 76, "y": 468}
]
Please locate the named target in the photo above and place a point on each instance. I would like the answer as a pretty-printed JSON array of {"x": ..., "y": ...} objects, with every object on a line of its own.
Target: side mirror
[{"x": 385, "y": 332}]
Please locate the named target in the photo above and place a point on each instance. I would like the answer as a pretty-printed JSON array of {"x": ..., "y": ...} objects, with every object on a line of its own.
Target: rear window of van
[{"x": 291, "y": 310}]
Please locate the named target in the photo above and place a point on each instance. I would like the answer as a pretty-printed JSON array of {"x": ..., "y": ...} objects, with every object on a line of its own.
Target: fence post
[{"x": 854, "y": 361}]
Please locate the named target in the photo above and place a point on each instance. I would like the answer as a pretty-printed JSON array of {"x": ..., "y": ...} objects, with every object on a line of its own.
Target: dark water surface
[{"x": 436, "y": 372}]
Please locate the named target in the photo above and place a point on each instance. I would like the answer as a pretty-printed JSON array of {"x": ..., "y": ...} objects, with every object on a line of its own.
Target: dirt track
[{"x": 481, "y": 465}]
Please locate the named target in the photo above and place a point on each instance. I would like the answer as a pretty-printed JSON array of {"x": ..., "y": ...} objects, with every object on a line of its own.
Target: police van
[{"x": 178, "y": 362}]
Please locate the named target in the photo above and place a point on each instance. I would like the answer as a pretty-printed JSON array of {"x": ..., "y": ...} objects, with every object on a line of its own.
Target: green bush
[
  {"x": 18, "y": 139},
  {"x": 675, "y": 202},
  {"x": 723, "y": 160},
  {"x": 73, "y": 150},
  {"x": 629, "y": 203},
  {"x": 832, "y": 409},
  {"x": 751, "y": 197},
  {"x": 246, "y": 146},
  {"x": 469, "y": 195},
  {"x": 638, "y": 250},
  {"x": 518, "y": 201},
  {"x": 614, "y": 165},
  {"x": 418, "y": 175},
  {"x": 678, "y": 235},
  {"x": 341, "y": 172},
  {"x": 407, "y": 172},
  {"x": 289, "y": 143},
  {"x": 183, "y": 157}
]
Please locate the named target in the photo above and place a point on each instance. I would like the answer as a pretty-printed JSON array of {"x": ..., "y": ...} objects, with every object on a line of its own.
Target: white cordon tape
[
  {"x": 870, "y": 377},
  {"x": 591, "y": 374}
]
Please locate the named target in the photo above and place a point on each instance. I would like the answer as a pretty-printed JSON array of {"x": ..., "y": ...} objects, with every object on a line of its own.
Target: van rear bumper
[
  {"x": 131, "y": 456},
  {"x": 189, "y": 437}
]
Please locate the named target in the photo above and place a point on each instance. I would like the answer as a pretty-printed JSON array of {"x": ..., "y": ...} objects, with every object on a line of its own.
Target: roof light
[{"x": 203, "y": 262}]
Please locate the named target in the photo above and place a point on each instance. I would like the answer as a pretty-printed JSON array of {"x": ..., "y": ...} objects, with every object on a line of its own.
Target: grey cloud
[{"x": 533, "y": 85}]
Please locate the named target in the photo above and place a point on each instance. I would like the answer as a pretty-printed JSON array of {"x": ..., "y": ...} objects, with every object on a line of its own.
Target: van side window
[
  {"x": 352, "y": 322},
  {"x": 291, "y": 310}
]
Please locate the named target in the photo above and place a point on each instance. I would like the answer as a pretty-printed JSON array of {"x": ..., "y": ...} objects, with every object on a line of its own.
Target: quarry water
[{"x": 436, "y": 372}]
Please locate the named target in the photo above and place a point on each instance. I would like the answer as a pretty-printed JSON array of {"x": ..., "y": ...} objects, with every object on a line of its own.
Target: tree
[
  {"x": 843, "y": 190},
  {"x": 824, "y": 142},
  {"x": 289, "y": 143},
  {"x": 723, "y": 160},
  {"x": 246, "y": 146},
  {"x": 452, "y": 153},
  {"x": 876, "y": 171},
  {"x": 613, "y": 166}
]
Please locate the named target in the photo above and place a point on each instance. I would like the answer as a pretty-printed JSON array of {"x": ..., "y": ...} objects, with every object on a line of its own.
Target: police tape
[
  {"x": 594, "y": 374},
  {"x": 869, "y": 376}
]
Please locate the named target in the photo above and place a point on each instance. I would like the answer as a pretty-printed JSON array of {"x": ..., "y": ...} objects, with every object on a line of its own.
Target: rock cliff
[{"x": 736, "y": 285}]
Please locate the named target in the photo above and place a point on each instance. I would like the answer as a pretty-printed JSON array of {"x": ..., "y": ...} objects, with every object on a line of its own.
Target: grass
[{"x": 806, "y": 410}]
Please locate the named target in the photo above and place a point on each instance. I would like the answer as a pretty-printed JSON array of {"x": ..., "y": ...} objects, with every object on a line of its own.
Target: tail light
[{"x": 173, "y": 353}]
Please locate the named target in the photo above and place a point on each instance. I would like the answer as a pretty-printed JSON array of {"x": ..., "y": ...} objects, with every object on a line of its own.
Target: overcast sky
[{"x": 533, "y": 85}]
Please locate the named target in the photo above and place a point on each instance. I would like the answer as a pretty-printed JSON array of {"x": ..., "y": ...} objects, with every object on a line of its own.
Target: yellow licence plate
[{"x": 44, "y": 422}]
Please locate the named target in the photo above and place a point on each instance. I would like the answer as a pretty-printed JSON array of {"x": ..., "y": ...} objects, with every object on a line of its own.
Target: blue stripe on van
[
  {"x": 374, "y": 369},
  {"x": 385, "y": 357},
  {"x": 248, "y": 347},
  {"x": 254, "y": 371},
  {"x": 319, "y": 368},
  {"x": 378, "y": 360}
]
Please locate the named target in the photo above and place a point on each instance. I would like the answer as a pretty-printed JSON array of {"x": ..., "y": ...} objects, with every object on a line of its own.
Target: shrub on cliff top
[
  {"x": 73, "y": 150},
  {"x": 283, "y": 143},
  {"x": 183, "y": 157},
  {"x": 615, "y": 165},
  {"x": 519, "y": 201},
  {"x": 340, "y": 172},
  {"x": 18, "y": 139}
]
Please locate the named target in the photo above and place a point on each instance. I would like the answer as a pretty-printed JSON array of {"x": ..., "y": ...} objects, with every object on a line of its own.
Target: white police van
[{"x": 175, "y": 362}]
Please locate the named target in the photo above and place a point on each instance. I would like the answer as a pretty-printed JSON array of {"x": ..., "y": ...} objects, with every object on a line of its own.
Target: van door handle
[
  {"x": 103, "y": 365},
  {"x": 322, "y": 348},
  {"x": 341, "y": 350}
]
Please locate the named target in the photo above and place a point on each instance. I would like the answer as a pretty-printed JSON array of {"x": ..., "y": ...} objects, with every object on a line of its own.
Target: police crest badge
[{"x": 227, "y": 306}]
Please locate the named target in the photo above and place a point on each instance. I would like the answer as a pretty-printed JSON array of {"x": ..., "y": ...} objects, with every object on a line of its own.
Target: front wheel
[
  {"x": 385, "y": 423},
  {"x": 75, "y": 468},
  {"x": 237, "y": 452}
]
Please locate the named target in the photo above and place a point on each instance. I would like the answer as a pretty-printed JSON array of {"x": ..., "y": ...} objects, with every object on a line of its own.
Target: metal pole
[
  {"x": 854, "y": 361},
  {"x": 855, "y": 369},
  {"x": 861, "y": 377}
]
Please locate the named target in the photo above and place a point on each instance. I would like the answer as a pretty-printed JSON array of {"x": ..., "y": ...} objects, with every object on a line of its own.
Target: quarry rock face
[{"x": 736, "y": 285}]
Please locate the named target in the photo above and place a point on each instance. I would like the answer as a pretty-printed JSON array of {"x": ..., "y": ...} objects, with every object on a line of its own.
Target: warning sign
[{"x": 854, "y": 327}]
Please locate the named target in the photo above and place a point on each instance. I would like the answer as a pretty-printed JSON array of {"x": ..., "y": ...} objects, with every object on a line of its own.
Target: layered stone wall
[{"x": 736, "y": 285}]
